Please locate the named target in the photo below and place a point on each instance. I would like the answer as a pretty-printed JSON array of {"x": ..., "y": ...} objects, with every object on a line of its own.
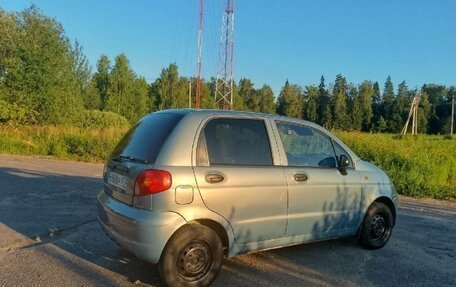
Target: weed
[{"x": 419, "y": 166}]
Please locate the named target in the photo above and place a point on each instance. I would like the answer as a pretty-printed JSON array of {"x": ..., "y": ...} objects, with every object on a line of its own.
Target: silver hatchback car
[{"x": 183, "y": 188}]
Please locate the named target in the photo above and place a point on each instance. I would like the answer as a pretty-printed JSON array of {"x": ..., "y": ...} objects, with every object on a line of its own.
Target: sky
[{"x": 275, "y": 41}]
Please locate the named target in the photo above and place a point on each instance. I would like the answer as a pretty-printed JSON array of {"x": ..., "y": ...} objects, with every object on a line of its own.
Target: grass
[
  {"x": 92, "y": 145},
  {"x": 420, "y": 166}
]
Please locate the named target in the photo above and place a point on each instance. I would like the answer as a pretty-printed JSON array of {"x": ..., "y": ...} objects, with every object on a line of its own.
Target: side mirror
[{"x": 344, "y": 162}]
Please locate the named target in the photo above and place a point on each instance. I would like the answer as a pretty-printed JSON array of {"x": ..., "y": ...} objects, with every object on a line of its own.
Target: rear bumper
[{"x": 142, "y": 232}]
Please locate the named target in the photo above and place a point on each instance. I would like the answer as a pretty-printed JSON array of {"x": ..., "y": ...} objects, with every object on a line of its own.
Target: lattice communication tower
[{"x": 225, "y": 67}]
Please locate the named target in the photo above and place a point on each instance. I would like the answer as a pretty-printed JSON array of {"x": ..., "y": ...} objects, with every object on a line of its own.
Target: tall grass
[
  {"x": 93, "y": 145},
  {"x": 420, "y": 166}
]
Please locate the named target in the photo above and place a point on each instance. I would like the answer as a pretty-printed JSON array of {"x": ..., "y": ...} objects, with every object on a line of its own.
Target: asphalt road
[{"x": 49, "y": 236}]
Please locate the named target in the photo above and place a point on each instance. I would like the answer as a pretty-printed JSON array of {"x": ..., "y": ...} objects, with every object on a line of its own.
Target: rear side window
[
  {"x": 305, "y": 146},
  {"x": 145, "y": 139},
  {"x": 234, "y": 142}
]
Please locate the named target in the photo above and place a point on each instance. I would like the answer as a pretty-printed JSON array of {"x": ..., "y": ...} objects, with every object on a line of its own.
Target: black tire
[
  {"x": 192, "y": 257},
  {"x": 377, "y": 226}
]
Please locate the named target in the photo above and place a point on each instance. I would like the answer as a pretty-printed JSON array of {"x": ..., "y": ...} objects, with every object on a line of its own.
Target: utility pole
[
  {"x": 200, "y": 48},
  {"x": 452, "y": 114},
  {"x": 413, "y": 114},
  {"x": 225, "y": 66}
]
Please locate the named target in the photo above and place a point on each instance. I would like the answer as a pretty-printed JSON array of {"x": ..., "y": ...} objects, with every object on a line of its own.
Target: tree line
[{"x": 46, "y": 79}]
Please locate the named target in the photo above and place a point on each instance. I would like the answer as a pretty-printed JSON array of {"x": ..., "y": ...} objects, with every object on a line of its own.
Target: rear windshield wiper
[{"x": 129, "y": 158}]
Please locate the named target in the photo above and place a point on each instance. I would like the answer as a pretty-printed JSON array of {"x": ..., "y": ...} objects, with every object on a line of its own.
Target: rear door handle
[
  {"x": 214, "y": 178},
  {"x": 300, "y": 177}
]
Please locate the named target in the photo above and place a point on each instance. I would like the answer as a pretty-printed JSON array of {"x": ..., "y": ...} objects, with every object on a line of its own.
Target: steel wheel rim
[
  {"x": 378, "y": 228},
  {"x": 194, "y": 260}
]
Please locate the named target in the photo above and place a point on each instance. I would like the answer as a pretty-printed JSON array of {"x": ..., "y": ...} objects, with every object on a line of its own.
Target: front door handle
[
  {"x": 214, "y": 178},
  {"x": 300, "y": 177}
]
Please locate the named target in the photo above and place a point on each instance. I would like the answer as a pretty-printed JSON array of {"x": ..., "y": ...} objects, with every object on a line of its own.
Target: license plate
[{"x": 117, "y": 180}]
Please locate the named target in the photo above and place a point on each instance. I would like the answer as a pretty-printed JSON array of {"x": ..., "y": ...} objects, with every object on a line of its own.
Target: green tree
[
  {"x": 141, "y": 102},
  {"x": 381, "y": 124},
  {"x": 9, "y": 58},
  {"x": 376, "y": 103},
  {"x": 323, "y": 108},
  {"x": 327, "y": 118},
  {"x": 207, "y": 100},
  {"x": 100, "y": 79},
  {"x": 440, "y": 107},
  {"x": 267, "y": 101},
  {"x": 366, "y": 93},
  {"x": 377, "y": 96},
  {"x": 126, "y": 94},
  {"x": 401, "y": 106},
  {"x": 341, "y": 119},
  {"x": 81, "y": 66},
  {"x": 357, "y": 115},
  {"x": 289, "y": 102},
  {"x": 91, "y": 96},
  {"x": 171, "y": 90},
  {"x": 424, "y": 113},
  {"x": 238, "y": 102},
  {"x": 249, "y": 96},
  {"x": 353, "y": 109},
  {"x": 388, "y": 98},
  {"x": 311, "y": 94},
  {"x": 44, "y": 79}
]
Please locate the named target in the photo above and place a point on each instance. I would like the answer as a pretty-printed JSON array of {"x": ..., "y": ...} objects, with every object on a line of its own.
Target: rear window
[{"x": 145, "y": 139}]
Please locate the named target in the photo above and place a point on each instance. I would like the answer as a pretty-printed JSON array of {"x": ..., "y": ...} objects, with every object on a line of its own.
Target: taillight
[{"x": 152, "y": 181}]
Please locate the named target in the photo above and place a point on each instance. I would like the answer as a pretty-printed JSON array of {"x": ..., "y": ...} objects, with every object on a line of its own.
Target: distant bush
[
  {"x": 101, "y": 119},
  {"x": 79, "y": 145},
  {"x": 14, "y": 114}
]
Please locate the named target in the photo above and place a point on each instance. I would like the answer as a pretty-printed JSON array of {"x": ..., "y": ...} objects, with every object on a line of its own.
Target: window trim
[{"x": 209, "y": 119}]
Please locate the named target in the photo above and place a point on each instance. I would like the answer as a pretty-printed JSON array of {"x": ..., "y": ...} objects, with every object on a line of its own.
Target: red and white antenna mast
[
  {"x": 225, "y": 68},
  {"x": 200, "y": 48}
]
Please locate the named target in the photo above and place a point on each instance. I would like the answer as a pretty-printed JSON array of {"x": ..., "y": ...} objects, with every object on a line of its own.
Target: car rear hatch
[{"x": 137, "y": 151}]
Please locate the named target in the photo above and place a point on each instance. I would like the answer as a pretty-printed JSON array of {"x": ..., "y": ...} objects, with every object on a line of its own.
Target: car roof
[{"x": 236, "y": 113}]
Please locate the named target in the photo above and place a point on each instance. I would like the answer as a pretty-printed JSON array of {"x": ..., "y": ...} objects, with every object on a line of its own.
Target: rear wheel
[
  {"x": 192, "y": 257},
  {"x": 377, "y": 226}
]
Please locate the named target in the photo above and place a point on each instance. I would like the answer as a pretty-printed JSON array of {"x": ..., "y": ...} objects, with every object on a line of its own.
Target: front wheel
[
  {"x": 377, "y": 226},
  {"x": 192, "y": 257}
]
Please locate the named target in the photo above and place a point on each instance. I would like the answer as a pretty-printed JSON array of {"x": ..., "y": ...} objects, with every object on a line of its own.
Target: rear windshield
[{"x": 145, "y": 139}]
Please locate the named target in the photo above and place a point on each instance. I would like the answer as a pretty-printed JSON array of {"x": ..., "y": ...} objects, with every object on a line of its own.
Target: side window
[
  {"x": 234, "y": 142},
  {"x": 305, "y": 146},
  {"x": 340, "y": 151}
]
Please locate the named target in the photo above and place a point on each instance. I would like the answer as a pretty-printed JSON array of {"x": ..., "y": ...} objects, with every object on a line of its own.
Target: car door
[
  {"x": 322, "y": 201},
  {"x": 237, "y": 178}
]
